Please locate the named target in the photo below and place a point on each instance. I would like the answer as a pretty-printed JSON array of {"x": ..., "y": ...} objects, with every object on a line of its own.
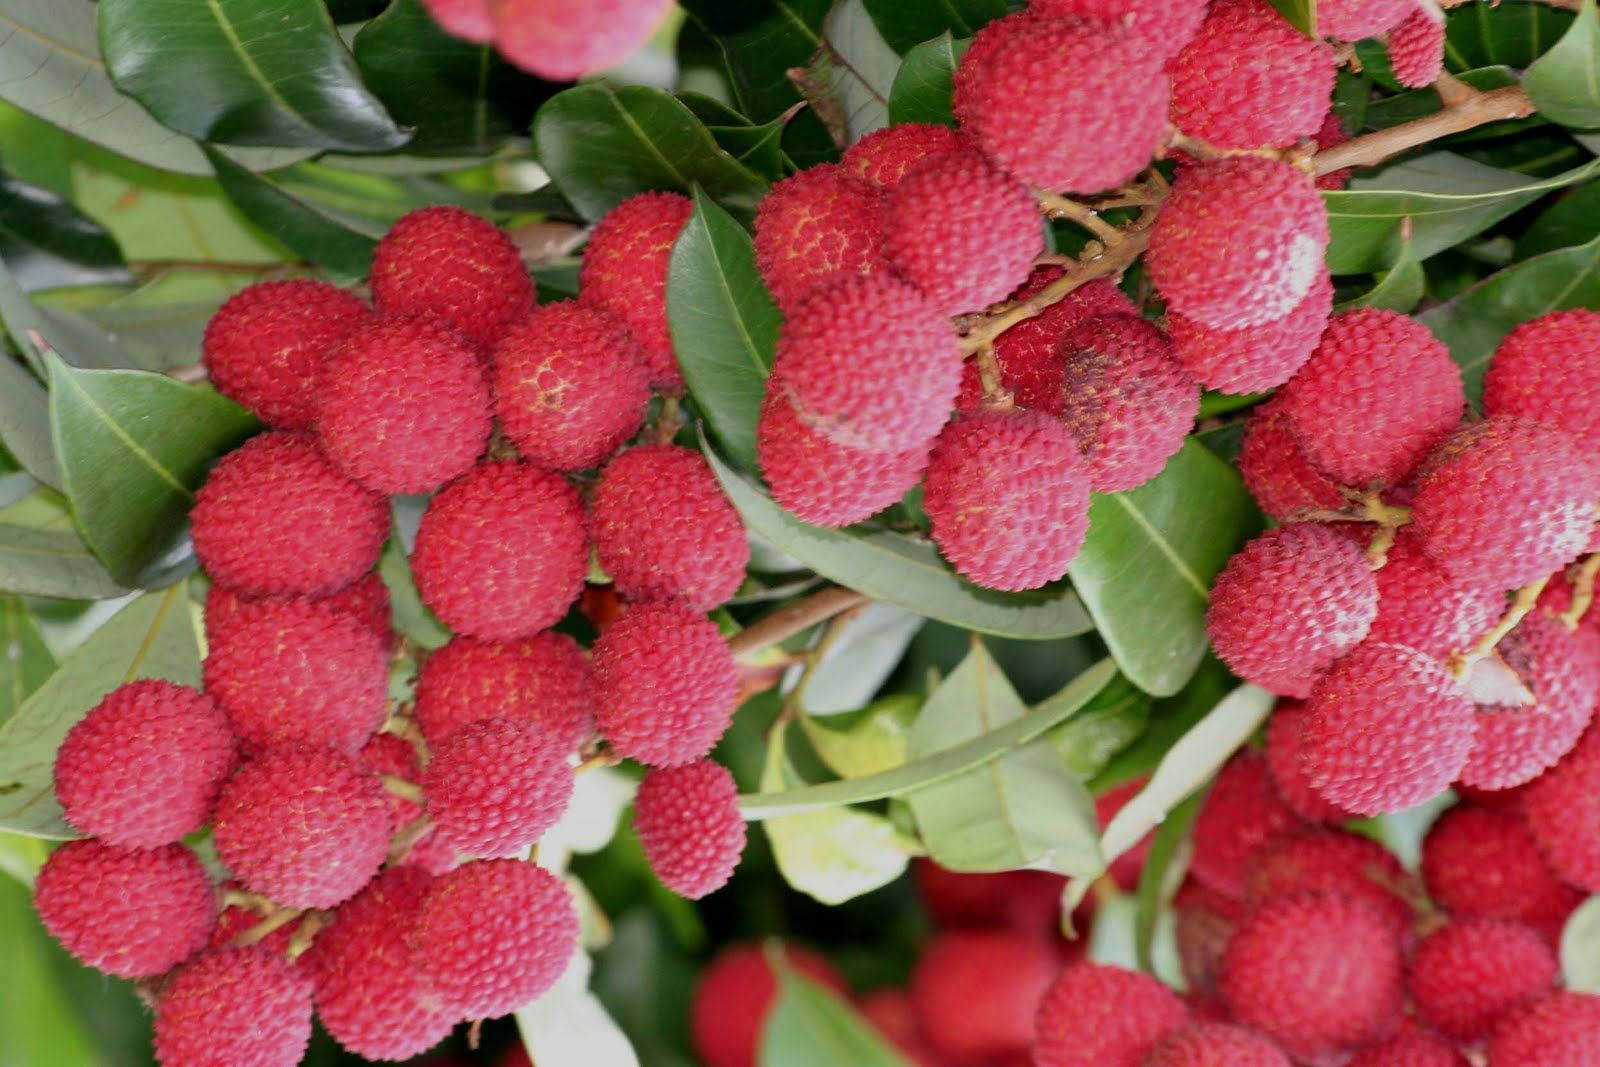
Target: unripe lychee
[
  {"x": 1353, "y": 20},
  {"x": 1044, "y": 121},
  {"x": 244, "y": 1007},
  {"x": 962, "y": 232},
  {"x": 817, "y": 226},
  {"x": 544, "y": 678},
  {"x": 570, "y": 385},
  {"x": 1545, "y": 370},
  {"x": 689, "y": 824},
  {"x": 1249, "y": 79},
  {"x": 735, "y": 993},
  {"x": 1468, "y": 973},
  {"x": 402, "y": 405},
  {"x": 1416, "y": 48},
  {"x": 1215, "y": 1045},
  {"x": 1560, "y": 1029},
  {"x": 266, "y": 344},
  {"x": 884, "y": 156},
  {"x": 977, "y": 991},
  {"x": 1007, "y": 493},
  {"x": 1506, "y": 501},
  {"x": 303, "y": 825},
  {"x": 143, "y": 767},
  {"x": 1251, "y": 359},
  {"x": 563, "y": 41},
  {"x": 1481, "y": 862},
  {"x": 501, "y": 552},
  {"x": 1415, "y": 1048},
  {"x": 1422, "y": 607},
  {"x": 1388, "y": 728},
  {"x": 466, "y": 19},
  {"x": 366, "y": 599},
  {"x": 275, "y": 516},
  {"x": 1276, "y": 471},
  {"x": 1335, "y": 861},
  {"x": 449, "y": 263},
  {"x": 1095, "y": 1014},
  {"x": 1285, "y": 738},
  {"x": 665, "y": 683},
  {"x": 132, "y": 913},
  {"x": 495, "y": 786},
  {"x": 1239, "y": 242},
  {"x": 1289, "y": 603},
  {"x": 1161, "y": 26},
  {"x": 625, "y": 272},
  {"x": 1562, "y": 807},
  {"x": 298, "y": 670},
  {"x": 493, "y": 934},
  {"x": 1241, "y": 814}
]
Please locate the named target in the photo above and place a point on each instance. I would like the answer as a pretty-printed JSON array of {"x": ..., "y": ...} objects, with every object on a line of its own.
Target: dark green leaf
[
  {"x": 809, "y": 1025},
  {"x": 906, "y": 25},
  {"x": 1146, "y": 568},
  {"x": 49, "y": 243},
  {"x": 856, "y": 744},
  {"x": 1574, "y": 219},
  {"x": 759, "y": 42},
  {"x": 1400, "y": 288},
  {"x": 244, "y": 72},
  {"x": 1580, "y": 948},
  {"x": 1565, "y": 82},
  {"x": 1170, "y": 718},
  {"x": 306, "y": 230},
  {"x": 1161, "y": 874},
  {"x": 41, "y": 553},
  {"x": 1109, "y": 723},
  {"x": 923, "y": 85},
  {"x": 1510, "y": 35},
  {"x": 758, "y": 147},
  {"x": 25, "y": 421},
  {"x": 1302, "y": 14},
  {"x": 25, "y": 660}
]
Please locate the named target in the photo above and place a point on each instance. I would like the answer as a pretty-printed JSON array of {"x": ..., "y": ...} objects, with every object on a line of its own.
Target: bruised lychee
[
  {"x": 1334, "y": 861},
  {"x": 143, "y": 767},
  {"x": 977, "y": 991},
  {"x": 1285, "y": 738},
  {"x": 275, "y": 516},
  {"x": 1412, "y": 1048},
  {"x": 466, "y": 19},
  {"x": 1251, "y": 359},
  {"x": 495, "y": 786},
  {"x": 625, "y": 272},
  {"x": 544, "y": 678},
  {"x": 1215, "y": 1045},
  {"x": 449, "y": 263},
  {"x": 1160, "y": 26},
  {"x": 132, "y": 913},
  {"x": 1239, "y": 242},
  {"x": 1481, "y": 862},
  {"x": 1288, "y": 604},
  {"x": 1241, "y": 814},
  {"x": 1416, "y": 48},
  {"x": 501, "y": 551},
  {"x": 736, "y": 992},
  {"x": 884, "y": 156},
  {"x": 1545, "y": 370},
  {"x": 244, "y": 1007},
  {"x": 570, "y": 385},
  {"x": 1096, "y": 1014},
  {"x": 266, "y": 344},
  {"x": 689, "y": 824},
  {"x": 1421, "y": 606},
  {"x": 366, "y": 599},
  {"x": 1468, "y": 973},
  {"x": 1352, "y": 20},
  {"x": 817, "y": 226},
  {"x": 1283, "y": 481},
  {"x": 565, "y": 41},
  {"x": 1560, "y": 1029},
  {"x": 1007, "y": 493},
  {"x": 1562, "y": 807}
]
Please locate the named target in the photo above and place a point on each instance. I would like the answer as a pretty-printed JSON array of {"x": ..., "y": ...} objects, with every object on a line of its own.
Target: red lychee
[
  {"x": 1241, "y": 814},
  {"x": 689, "y": 824},
  {"x": 1161, "y": 26},
  {"x": 1331, "y": 134},
  {"x": 1203, "y": 926},
  {"x": 1352, "y": 20},
  {"x": 1467, "y": 974},
  {"x": 495, "y": 786},
  {"x": 244, "y": 1007},
  {"x": 1416, "y": 48},
  {"x": 1215, "y": 1045},
  {"x": 1095, "y": 1014},
  {"x": 893, "y": 1015},
  {"x": 544, "y": 678},
  {"x": 1415, "y": 1048},
  {"x": 1029, "y": 901},
  {"x": 1481, "y": 862},
  {"x": 817, "y": 226},
  {"x": 391, "y": 755},
  {"x": 563, "y": 41},
  {"x": 1335, "y": 861},
  {"x": 736, "y": 991},
  {"x": 884, "y": 156},
  {"x": 1277, "y": 473},
  {"x": 625, "y": 272},
  {"x": 365, "y": 599},
  {"x": 1560, "y": 1029},
  {"x": 466, "y": 19},
  {"x": 1285, "y": 737},
  {"x": 1251, "y": 359},
  {"x": 1562, "y": 807},
  {"x": 1544, "y": 370},
  {"x": 1422, "y": 607},
  {"x": 977, "y": 991}
]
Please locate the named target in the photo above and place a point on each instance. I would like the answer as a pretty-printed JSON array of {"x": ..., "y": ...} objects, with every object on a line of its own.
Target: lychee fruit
[
  {"x": 1024, "y": 900},
  {"x": 1097, "y": 1014},
  {"x": 239, "y": 919},
  {"x": 1283, "y": 481},
  {"x": 365, "y": 599},
  {"x": 1161, "y": 26},
  {"x": 1353, "y": 20},
  {"x": 1241, "y": 814},
  {"x": 466, "y": 19},
  {"x": 1252, "y": 359},
  {"x": 1468, "y": 973},
  {"x": 495, "y": 786},
  {"x": 1007, "y": 493},
  {"x": 1335, "y": 861},
  {"x": 132, "y": 913},
  {"x": 1481, "y": 862},
  {"x": 1412, "y": 1048},
  {"x": 1560, "y": 1029},
  {"x": 449, "y": 263},
  {"x": 737, "y": 990},
  {"x": 884, "y": 156},
  {"x": 977, "y": 991},
  {"x": 570, "y": 385},
  {"x": 1544, "y": 370},
  {"x": 1421, "y": 606},
  {"x": 624, "y": 272},
  {"x": 1562, "y": 807},
  {"x": 501, "y": 552},
  {"x": 689, "y": 824},
  {"x": 563, "y": 42},
  {"x": 1331, "y": 134},
  {"x": 817, "y": 226},
  {"x": 244, "y": 1007},
  {"x": 275, "y": 516},
  {"x": 544, "y": 678},
  {"x": 1416, "y": 48},
  {"x": 266, "y": 344},
  {"x": 1204, "y": 921},
  {"x": 1215, "y": 1045},
  {"x": 894, "y": 1016},
  {"x": 665, "y": 682},
  {"x": 1285, "y": 737}
]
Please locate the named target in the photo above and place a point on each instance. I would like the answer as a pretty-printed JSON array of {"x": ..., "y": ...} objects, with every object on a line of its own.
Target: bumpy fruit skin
[
  {"x": 1276, "y": 471},
  {"x": 1481, "y": 862},
  {"x": 1161, "y": 26},
  {"x": 143, "y": 768},
  {"x": 1204, "y": 924},
  {"x": 884, "y": 156},
  {"x": 689, "y": 824},
  {"x": 1285, "y": 737},
  {"x": 1353, "y": 20},
  {"x": 961, "y": 231},
  {"x": 1470, "y": 972},
  {"x": 868, "y": 363},
  {"x": 1126, "y": 400},
  {"x": 1506, "y": 501},
  {"x": 665, "y": 684},
  {"x": 1348, "y": 409},
  {"x": 976, "y": 991},
  {"x": 449, "y": 263},
  {"x": 734, "y": 994},
  {"x": 493, "y": 934},
  {"x": 368, "y": 994},
  {"x": 1248, "y": 79},
  {"x": 1331, "y": 134},
  {"x": 495, "y": 786},
  {"x": 298, "y": 670},
  {"x": 1094, "y": 1014},
  {"x": 570, "y": 385},
  {"x": 275, "y": 516},
  {"x": 365, "y": 599},
  {"x": 1388, "y": 728},
  {"x": 1241, "y": 814},
  {"x": 1421, "y": 606},
  {"x": 1416, "y": 1048},
  {"x": 1042, "y": 120},
  {"x": 1562, "y": 807},
  {"x": 544, "y": 678},
  {"x": 132, "y": 913},
  {"x": 1545, "y": 369},
  {"x": 402, "y": 405},
  {"x": 1288, "y": 604},
  {"x": 501, "y": 551},
  {"x": 563, "y": 41},
  {"x": 1416, "y": 49},
  {"x": 1319, "y": 973},
  {"x": 1239, "y": 242},
  {"x": 1334, "y": 861},
  {"x": 1215, "y": 1045},
  {"x": 243, "y": 1007},
  {"x": 305, "y": 826},
  {"x": 1252, "y": 359},
  {"x": 625, "y": 272},
  {"x": 663, "y": 530},
  {"x": 1007, "y": 493},
  {"x": 1560, "y": 1029},
  {"x": 267, "y": 342},
  {"x": 817, "y": 226},
  {"x": 466, "y": 19}
]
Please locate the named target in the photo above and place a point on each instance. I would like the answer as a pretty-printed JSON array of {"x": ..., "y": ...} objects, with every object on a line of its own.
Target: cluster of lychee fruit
[
  {"x": 555, "y": 39},
  {"x": 370, "y": 837}
]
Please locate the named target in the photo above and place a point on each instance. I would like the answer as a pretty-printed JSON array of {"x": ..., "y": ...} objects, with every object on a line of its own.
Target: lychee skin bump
[
  {"x": 1283, "y": 481},
  {"x": 495, "y": 786},
  {"x": 1422, "y": 607},
  {"x": 545, "y": 678},
  {"x": 1353, "y": 20},
  {"x": 624, "y": 272},
  {"x": 1410, "y": 1048},
  {"x": 1104, "y": 1015},
  {"x": 563, "y": 42},
  {"x": 1416, "y": 49},
  {"x": 1562, "y": 807},
  {"x": 1253, "y": 359},
  {"x": 1215, "y": 1045},
  {"x": 1560, "y": 1029},
  {"x": 817, "y": 226},
  {"x": 1481, "y": 862},
  {"x": 689, "y": 824},
  {"x": 1162, "y": 26},
  {"x": 1335, "y": 861},
  {"x": 1242, "y": 813},
  {"x": 1468, "y": 973},
  {"x": 245, "y": 1007},
  {"x": 1285, "y": 737},
  {"x": 366, "y": 599},
  {"x": 1545, "y": 370},
  {"x": 884, "y": 156}
]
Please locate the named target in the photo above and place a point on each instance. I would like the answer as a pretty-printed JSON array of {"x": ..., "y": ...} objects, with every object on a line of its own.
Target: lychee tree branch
[
  {"x": 793, "y": 618},
  {"x": 1495, "y": 105}
]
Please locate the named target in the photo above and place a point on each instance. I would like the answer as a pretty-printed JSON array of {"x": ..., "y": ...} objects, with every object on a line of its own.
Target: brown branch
[
  {"x": 1479, "y": 108},
  {"x": 791, "y": 619}
]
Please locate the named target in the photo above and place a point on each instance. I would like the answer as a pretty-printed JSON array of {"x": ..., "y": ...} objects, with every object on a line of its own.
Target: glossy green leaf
[
  {"x": 724, "y": 325},
  {"x": 758, "y": 43},
  {"x": 41, "y": 553},
  {"x": 907, "y": 25},
  {"x": 1511, "y": 35},
  {"x": 1565, "y": 82},
  {"x": 47, "y": 242},
  {"x": 159, "y": 337},
  {"x": 860, "y": 655},
  {"x": 602, "y": 144},
  {"x": 38, "y": 330},
  {"x": 924, "y": 83},
  {"x": 1400, "y": 288},
  {"x": 810, "y": 1025},
  {"x": 1302, "y": 14},
  {"x": 1574, "y": 219},
  {"x": 1161, "y": 875},
  {"x": 25, "y": 421},
  {"x": 1170, "y": 718},
  {"x": 134, "y": 447},
  {"x": 851, "y": 77},
  {"x": 892, "y": 567},
  {"x": 244, "y": 72},
  {"x": 307, "y": 230},
  {"x": 25, "y": 660},
  {"x": 1580, "y": 948},
  {"x": 151, "y": 637},
  {"x": 1146, "y": 568},
  {"x": 864, "y": 742},
  {"x": 1022, "y": 809},
  {"x": 1107, "y": 725}
]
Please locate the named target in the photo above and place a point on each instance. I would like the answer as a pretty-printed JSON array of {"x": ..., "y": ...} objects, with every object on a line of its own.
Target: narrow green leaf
[
  {"x": 411, "y": 616},
  {"x": 852, "y": 76},
  {"x": 1573, "y": 219},
  {"x": 25, "y": 421},
  {"x": 158, "y": 337},
  {"x": 1107, "y": 725},
  {"x": 1580, "y": 948},
  {"x": 305, "y": 229},
  {"x": 924, "y": 83},
  {"x": 1400, "y": 288},
  {"x": 1170, "y": 718},
  {"x": 21, "y": 857},
  {"x": 25, "y": 660},
  {"x": 809, "y": 1025},
  {"x": 758, "y": 44},
  {"x": 48, "y": 243},
  {"x": 41, "y": 553},
  {"x": 859, "y": 743},
  {"x": 1302, "y": 14},
  {"x": 1565, "y": 82},
  {"x": 1161, "y": 875},
  {"x": 907, "y": 26}
]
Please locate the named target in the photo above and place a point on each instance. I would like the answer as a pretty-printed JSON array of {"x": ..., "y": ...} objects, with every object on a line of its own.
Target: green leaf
[
  {"x": 1021, "y": 809},
  {"x": 21, "y": 857},
  {"x": 1170, "y": 718},
  {"x": 568, "y": 1024},
  {"x": 859, "y": 656},
  {"x": 1161, "y": 875},
  {"x": 1302, "y": 14},
  {"x": 1511, "y": 35},
  {"x": 41, "y": 553},
  {"x": 1564, "y": 83},
  {"x": 1580, "y": 948},
  {"x": 42, "y": 1027},
  {"x": 1473, "y": 323},
  {"x": 1574, "y": 219},
  {"x": 158, "y": 337},
  {"x": 889, "y": 566},
  {"x": 151, "y": 637},
  {"x": 244, "y": 72},
  {"x": 924, "y": 83},
  {"x": 1410, "y": 105},
  {"x": 25, "y": 420},
  {"x": 908, "y": 25},
  {"x": 724, "y": 325},
  {"x": 47, "y": 242},
  {"x": 851, "y": 76},
  {"x": 25, "y": 660},
  {"x": 1146, "y": 568},
  {"x": 307, "y": 230},
  {"x": 134, "y": 447},
  {"x": 602, "y": 144},
  {"x": 808, "y": 1025},
  {"x": 411, "y": 617},
  {"x": 1400, "y": 288},
  {"x": 858, "y": 743},
  {"x": 1108, "y": 724},
  {"x": 758, "y": 42}
]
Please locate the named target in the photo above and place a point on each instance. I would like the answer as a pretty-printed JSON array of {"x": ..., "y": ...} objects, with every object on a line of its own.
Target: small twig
[
  {"x": 1478, "y": 109},
  {"x": 602, "y": 757},
  {"x": 403, "y": 789},
  {"x": 1583, "y": 581},
  {"x": 1462, "y": 662},
  {"x": 1452, "y": 90},
  {"x": 415, "y": 830},
  {"x": 306, "y": 933},
  {"x": 268, "y": 926},
  {"x": 1061, "y": 207},
  {"x": 793, "y": 618},
  {"x": 812, "y": 660}
]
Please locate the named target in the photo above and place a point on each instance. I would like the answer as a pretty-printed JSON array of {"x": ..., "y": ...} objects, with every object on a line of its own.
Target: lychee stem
[
  {"x": 403, "y": 726},
  {"x": 1583, "y": 581},
  {"x": 268, "y": 926},
  {"x": 305, "y": 934},
  {"x": 1462, "y": 662},
  {"x": 669, "y": 420},
  {"x": 996, "y": 397},
  {"x": 1061, "y": 207},
  {"x": 407, "y": 837},
  {"x": 403, "y": 789},
  {"x": 793, "y": 618}
]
